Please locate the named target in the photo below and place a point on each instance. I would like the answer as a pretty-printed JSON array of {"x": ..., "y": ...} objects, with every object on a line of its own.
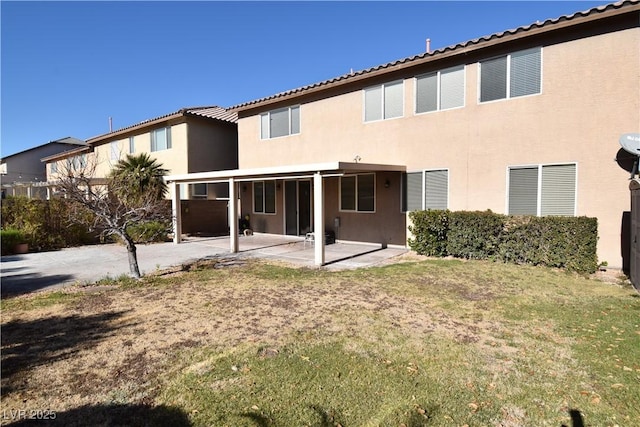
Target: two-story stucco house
[
  {"x": 189, "y": 140},
  {"x": 525, "y": 121},
  {"x": 23, "y": 174}
]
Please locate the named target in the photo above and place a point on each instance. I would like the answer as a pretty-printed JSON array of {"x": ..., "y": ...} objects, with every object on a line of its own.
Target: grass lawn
[{"x": 250, "y": 343}]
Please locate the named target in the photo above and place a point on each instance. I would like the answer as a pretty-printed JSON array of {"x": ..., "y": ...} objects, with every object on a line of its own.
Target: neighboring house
[
  {"x": 525, "y": 121},
  {"x": 189, "y": 140},
  {"x": 23, "y": 174}
]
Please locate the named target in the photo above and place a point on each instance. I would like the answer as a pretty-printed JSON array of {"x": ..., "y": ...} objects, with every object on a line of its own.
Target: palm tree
[{"x": 138, "y": 176}]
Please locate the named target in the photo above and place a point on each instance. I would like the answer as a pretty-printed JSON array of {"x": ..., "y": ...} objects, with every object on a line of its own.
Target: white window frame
[
  {"x": 439, "y": 90},
  {"x": 154, "y": 144},
  {"x": 268, "y": 116},
  {"x": 508, "y": 76},
  {"x": 53, "y": 168},
  {"x": 382, "y": 101},
  {"x": 423, "y": 188},
  {"x": 357, "y": 207},
  {"x": 539, "y": 177},
  {"x": 132, "y": 145},
  {"x": 264, "y": 197}
]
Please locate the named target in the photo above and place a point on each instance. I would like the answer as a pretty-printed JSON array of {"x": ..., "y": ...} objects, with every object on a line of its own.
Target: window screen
[
  {"x": 413, "y": 191},
  {"x": 523, "y": 191},
  {"x": 525, "y": 73},
  {"x": 427, "y": 93},
  {"x": 436, "y": 186},
  {"x": 493, "y": 79},
  {"x": 452, "y": 88},
  {"x": 558, "y": 190}
]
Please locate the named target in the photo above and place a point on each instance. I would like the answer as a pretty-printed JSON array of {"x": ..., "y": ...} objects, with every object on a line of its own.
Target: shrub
[
  {"x": 430, "y": 232},
  {"x": 562, "y": 242},
  {"x": 152, "y": 231},
  {"x": 474, "y": 235},
  {"x": 10, "y": 238},
  {"x": 46, "y": 224}
]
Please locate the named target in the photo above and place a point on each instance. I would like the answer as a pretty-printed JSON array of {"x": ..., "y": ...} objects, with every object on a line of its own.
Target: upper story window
[
  {"x": 77, "y": 162},
  {"x": 132, "y": 145},
  {"x": 161, "y": 139},
  {"x": 428, "y": 189},
  {"x": 280, "y": 122},
  {"x": 358, "y": 193},
  {"x": 264, "y": 197},
  {"x": 510, "y": 76},
  {"x": 542, "y": 190},
  {"x": 440, "y": 90},
  {"x": 115, "y": 152},
  {"x": 53, "y": 168},
  {"x": 384, "y": 101}
]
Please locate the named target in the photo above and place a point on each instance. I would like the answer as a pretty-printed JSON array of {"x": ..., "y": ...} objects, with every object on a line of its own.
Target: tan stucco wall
[{"x": 590, "y": 96}]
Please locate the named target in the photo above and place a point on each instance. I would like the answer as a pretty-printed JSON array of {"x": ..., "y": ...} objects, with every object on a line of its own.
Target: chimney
[
  {"x": 110, "y": 125},
  {"x": 428, "y": 45}
]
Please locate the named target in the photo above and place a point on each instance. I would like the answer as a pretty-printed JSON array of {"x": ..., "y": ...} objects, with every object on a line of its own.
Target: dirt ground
[{"x": 111, "y": 345}]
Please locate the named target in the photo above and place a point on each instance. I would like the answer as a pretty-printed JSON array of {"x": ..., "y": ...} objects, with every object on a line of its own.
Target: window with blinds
[
  {"x": 428, "y": 189},
  {"x": 384, "y": 101},
  {"x": 280, "y": 122},
  {"x": 440, "y": 90},
  {"x": 542, "y": 190},
  {"x": 161, "y": 139},
  {"x": 511, "y": 76}
]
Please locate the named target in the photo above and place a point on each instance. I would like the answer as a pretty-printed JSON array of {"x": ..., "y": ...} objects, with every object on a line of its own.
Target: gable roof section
[
  {"x": 577, "y": 18},
  {"x": 210, "y": 112},
  {"x": 65, "y": 154},
  {"x": 66, "y": 141}
]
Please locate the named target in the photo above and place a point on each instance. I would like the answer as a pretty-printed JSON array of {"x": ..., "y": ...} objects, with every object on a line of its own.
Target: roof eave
[{"x": 467, "y": 47}]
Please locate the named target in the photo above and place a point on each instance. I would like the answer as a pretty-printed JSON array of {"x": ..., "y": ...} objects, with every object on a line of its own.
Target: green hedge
[
  {"x": 429, "y": 231},
  {"x": 474, "y": 235},
  {"x": 563, "y": 242},
  {"x": 45, "y": 224}
]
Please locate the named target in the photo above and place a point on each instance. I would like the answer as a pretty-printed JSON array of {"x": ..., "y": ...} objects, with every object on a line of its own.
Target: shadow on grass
[
  {"x": 105, "y": 415},
  {"x": 333, "y": 418},
  {"x": 18, "y": 284},
  {"x": 576, "y": 419},
  {"x": 26, "y": 344}
]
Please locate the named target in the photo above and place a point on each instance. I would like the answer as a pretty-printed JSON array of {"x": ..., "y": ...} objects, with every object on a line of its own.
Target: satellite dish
[{"x": 630, "y": 142}]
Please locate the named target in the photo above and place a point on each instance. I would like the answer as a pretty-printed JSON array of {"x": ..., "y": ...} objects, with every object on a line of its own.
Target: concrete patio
[{"x": 50, "y": 270}]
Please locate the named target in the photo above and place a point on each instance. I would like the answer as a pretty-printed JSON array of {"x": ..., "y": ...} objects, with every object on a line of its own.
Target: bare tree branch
[{"x": 115, "y": 201}]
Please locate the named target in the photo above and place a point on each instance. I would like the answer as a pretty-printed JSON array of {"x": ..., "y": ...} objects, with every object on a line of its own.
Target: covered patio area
[
  {"x": 294, "y": 250},
  {"x": 382, "y": 215}
]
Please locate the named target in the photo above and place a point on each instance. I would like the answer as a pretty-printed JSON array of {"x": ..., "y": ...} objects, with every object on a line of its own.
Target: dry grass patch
[{"x": 420, "y": 342}]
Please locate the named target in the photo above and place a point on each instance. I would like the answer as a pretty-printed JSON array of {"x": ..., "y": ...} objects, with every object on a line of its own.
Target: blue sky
[{"x": 66, "y": 67}]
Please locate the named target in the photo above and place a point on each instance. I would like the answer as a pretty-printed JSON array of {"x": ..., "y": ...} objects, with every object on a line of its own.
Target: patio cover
[{"x": 317, "y": 171}]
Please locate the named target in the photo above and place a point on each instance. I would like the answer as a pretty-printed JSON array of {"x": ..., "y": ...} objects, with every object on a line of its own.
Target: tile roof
[
  {"x": 211, "y": 112},
  {"x": 547, "y": 24}
]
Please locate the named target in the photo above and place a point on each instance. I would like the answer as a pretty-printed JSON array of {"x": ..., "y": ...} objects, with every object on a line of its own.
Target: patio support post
[
  {"x": 318, "y": 219},
  {"x": 233, "y": 217},
  {"x": 176, "y": 212}
]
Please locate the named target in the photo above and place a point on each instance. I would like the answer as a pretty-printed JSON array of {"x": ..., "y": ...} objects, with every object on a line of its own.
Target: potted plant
[{"x": 13, "y": 242}]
